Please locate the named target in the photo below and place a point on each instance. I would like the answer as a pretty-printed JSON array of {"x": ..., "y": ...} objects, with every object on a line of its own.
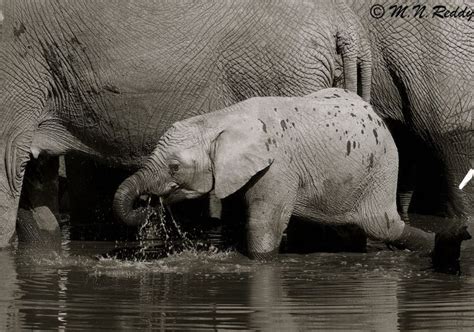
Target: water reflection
[
  {"x": 9, "y": 291},
  {"x": 379, "y": 290}
]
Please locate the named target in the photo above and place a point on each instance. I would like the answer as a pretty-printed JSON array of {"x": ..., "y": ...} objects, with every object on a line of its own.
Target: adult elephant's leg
[
  {"x": 9, "y": 200},
  {"x": 19, "y": 104},
  {"x": 39, "y": 204},
  {"x": 407, "y": 149},
  {"x": 456, "y": 151}
]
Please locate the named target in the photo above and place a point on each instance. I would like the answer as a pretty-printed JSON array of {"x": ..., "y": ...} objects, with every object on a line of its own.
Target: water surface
[{"x": 379, "y": 290}]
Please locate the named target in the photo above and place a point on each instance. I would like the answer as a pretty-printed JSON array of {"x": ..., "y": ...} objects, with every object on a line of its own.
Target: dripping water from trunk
[
  {"x": 162, "y": 229},
  {"x": 158, "y": 237}
]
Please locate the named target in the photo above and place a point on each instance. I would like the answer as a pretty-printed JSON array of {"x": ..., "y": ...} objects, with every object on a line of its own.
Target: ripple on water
[{"x": 379, "y": 291}]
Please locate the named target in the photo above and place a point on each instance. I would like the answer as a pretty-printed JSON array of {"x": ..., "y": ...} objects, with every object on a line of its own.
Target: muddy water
[{"x": 380, "y": 290}]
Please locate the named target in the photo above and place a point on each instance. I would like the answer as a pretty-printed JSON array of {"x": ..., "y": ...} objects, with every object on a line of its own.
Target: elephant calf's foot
[
  {"x": 415, "y": 239},
  {"x": 263, "y": 256}
]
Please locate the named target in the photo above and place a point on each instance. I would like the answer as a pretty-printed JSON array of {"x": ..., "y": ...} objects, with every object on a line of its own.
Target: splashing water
[
  {"x": 162, "y": 226},
  {"x": 159, "y": 237}
]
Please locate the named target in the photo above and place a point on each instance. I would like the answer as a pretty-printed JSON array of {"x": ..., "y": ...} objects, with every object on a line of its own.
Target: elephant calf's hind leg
[{"x": 392, "y": 230}]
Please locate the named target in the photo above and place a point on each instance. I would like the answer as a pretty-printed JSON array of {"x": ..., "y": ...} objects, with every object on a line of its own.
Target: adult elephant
[
  {"x": 106, "y": 78},
  {"x": 422, "y": 85}
]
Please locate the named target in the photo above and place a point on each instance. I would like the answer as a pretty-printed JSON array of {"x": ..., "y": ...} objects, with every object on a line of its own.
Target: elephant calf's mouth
[{"x": 146, "y": 202}]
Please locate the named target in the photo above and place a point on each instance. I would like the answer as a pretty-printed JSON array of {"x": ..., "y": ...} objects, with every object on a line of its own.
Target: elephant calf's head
[{"x": 190, "y": 160}]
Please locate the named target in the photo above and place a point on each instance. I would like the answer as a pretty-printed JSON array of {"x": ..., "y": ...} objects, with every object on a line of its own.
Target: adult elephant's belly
[{"x": 122, "y": 127}]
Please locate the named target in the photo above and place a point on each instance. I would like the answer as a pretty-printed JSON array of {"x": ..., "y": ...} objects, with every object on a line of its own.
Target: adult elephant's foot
[
  {"x": 8, "y": 213},
  {"x": 38, "y": 227},
  {"x": 447, "y": 250},
  {"x": 7, "y": 220},
  {"x": 37, "y": 223}
]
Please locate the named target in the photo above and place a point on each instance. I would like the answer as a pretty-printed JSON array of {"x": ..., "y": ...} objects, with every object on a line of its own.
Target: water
[{"x": 378, "y": 290}]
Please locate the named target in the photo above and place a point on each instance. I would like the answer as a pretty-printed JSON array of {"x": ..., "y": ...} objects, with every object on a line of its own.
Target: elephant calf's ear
[{"x": 237, "y": 157}]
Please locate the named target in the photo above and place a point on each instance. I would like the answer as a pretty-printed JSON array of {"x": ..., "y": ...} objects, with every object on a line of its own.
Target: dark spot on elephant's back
[
  {"x": 264, "y": 126},
  {"x": 283, "y": 125},
  {"x": 17, "y": 32},
  {"x": 336, "y": 95},
  {"x": 376, "y": 136},
  {"x": 370, "y": 117},
  {"x": 336, "y": 106},
  {"x": 348, "y": 148},
  {"x": 353, "y": 115},
  {"x": 354, "y": 145}
]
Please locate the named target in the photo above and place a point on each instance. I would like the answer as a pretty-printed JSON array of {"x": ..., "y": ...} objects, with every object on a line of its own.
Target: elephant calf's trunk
[{"x": 125, "y": 200}]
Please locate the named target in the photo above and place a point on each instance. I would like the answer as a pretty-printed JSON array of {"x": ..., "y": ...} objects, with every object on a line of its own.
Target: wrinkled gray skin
[
  {"x": 327, "y": 158},
  {"x": 423, "y": 86},
  {"x": 106, "y": 78},
  {"x": 123, "y": 62}
]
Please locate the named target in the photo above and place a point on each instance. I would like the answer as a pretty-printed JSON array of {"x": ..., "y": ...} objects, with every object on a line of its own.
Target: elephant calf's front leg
[{"x": 266, "y": 222}]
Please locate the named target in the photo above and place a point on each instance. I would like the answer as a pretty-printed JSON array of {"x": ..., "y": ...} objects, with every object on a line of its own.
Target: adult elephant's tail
[
  {"x": 356, "y": 54},
  {"x": 352, "y": 43}
]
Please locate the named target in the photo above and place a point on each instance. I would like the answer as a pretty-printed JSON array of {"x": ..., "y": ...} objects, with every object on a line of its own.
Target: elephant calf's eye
[{"x": 173, "y": 168}]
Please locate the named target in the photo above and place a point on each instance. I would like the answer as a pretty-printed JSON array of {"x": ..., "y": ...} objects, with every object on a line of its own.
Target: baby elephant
[{"x": 326, "y": 157}]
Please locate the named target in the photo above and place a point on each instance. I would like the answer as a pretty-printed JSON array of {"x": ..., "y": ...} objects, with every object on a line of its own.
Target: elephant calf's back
[{"x": 346, "y": 154}]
